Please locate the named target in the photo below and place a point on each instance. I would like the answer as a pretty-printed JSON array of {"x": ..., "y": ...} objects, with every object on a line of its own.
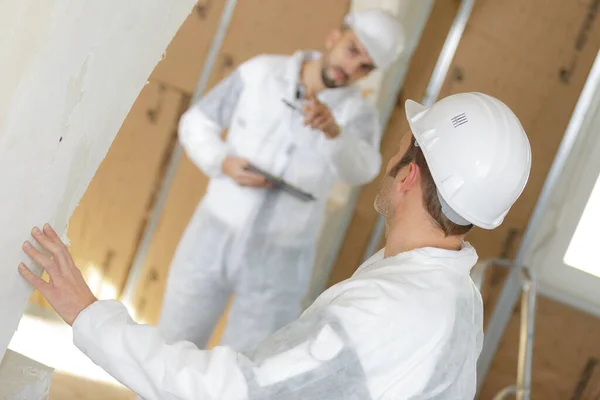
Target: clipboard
[{"x": 279, "y": 183}]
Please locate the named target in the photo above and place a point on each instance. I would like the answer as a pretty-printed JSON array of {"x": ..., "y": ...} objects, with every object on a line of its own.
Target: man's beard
[
  {"x": 330, "y": 82},
  {"x": 327, "y": 81},
  {"x": 382, "y": 201}
]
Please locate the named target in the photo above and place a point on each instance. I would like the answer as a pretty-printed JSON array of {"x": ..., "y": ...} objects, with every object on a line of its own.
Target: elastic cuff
[
  {"x": 83, "y": 314},
  {"x": 335, "y": 145},
  {"x": 218, "y": 165},
  {"x": 95, "y": 314}
]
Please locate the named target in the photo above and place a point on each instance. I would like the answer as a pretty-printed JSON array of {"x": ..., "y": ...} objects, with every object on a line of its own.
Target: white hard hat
[
  {"x": 478, "y": 154},
  {"x": 380, "y": 33}
]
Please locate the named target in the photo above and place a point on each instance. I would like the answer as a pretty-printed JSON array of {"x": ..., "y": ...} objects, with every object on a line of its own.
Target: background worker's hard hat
[
  {"x": 478, "y": 154},
  {"x": 380, "y": 33}
]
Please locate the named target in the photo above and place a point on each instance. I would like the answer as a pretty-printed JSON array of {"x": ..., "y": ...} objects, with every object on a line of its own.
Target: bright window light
[{"x": 582, "y": 253}]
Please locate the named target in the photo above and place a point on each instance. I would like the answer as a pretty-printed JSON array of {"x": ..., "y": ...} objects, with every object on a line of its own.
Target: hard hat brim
[
  {"x": 383, "y": 53},
  {"x": 413, "y": 109},
  {"x": 366, "y": 41}
]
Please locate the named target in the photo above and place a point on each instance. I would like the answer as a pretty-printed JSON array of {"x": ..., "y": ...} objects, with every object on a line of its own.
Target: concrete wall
[{"x": 69, "y": 73}]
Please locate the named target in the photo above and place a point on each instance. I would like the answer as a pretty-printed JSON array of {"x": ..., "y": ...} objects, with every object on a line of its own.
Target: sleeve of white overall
[
  {"x": 201, "y": 125},
  {"x": 354, "y": 155},
  {"x": 312, "y": 358}
]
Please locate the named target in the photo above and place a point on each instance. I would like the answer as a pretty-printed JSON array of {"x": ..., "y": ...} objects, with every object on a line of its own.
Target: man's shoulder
[
  {"x": 395, "y": 313},
  {"x": 359, "y": 105},
  {"x": 410, "y": 293},
  {"x": 264, "y": 63},
  {"x": 414, "y": 324}
]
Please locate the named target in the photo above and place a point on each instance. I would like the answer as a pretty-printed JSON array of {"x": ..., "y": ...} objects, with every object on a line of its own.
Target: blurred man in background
[{"x": 297, "y": 118}]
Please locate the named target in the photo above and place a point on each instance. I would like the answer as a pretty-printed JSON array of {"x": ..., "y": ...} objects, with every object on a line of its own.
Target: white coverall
[
  {"x": 405, "y": 327},
  {"x": 259, "y": 243}
]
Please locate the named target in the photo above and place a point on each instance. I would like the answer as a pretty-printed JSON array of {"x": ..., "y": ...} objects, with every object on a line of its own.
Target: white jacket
[
  {"x": 405, "y": 327},
  {"x": 262, "y": 129}
]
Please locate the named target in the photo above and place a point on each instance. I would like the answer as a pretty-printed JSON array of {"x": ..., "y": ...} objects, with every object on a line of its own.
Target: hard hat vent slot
[{"x": 459, "y": 120}]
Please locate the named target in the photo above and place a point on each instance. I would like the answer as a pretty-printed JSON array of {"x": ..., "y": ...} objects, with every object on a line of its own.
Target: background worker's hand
[
  {"x": 66, "y": 291},
  {"x": 235, "y": 168},
  {"x": 318, "y": 116}
]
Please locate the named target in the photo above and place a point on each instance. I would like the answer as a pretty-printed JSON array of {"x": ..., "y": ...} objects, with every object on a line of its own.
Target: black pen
[{"x": 292, "y": 106}]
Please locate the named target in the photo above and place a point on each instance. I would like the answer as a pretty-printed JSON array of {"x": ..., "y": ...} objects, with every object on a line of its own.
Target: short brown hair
[{"x": 431, "y": 201}]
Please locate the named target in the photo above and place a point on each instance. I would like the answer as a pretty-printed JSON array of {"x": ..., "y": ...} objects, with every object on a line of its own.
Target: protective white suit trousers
[{"x": 213, "y": 262}]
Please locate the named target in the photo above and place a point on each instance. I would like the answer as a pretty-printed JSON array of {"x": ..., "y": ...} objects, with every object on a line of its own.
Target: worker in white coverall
[
  {"x": 406, "y": 325},
  {"x": 295, "y": 117}
]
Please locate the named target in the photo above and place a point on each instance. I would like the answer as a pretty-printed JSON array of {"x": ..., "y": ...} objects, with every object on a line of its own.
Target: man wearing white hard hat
[
  {"x": 406, "y": 325},
  {"x": 297, "y": 118}
]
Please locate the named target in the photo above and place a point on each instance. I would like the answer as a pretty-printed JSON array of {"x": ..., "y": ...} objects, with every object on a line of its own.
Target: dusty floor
[
  {"x": 67, "y": 387},
  {"x": 42, "y": 337}
]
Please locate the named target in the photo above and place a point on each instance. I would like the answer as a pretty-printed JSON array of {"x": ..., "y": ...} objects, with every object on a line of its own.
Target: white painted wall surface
[{"x": 69, "y": 69}]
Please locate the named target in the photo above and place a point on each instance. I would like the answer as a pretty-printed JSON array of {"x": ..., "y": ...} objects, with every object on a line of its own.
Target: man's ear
[
  {"x": 409, "y": 177},
  {"x": 333, "y": 37}
]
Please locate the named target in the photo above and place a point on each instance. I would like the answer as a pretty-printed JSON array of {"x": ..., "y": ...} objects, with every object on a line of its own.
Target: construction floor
[
  {"x": 46, "y": 339},
  {"x": 66, "y": 387}
]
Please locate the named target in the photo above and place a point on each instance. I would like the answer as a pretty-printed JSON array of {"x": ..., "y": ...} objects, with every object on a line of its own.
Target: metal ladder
[{"x": 522, "y": 389}]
